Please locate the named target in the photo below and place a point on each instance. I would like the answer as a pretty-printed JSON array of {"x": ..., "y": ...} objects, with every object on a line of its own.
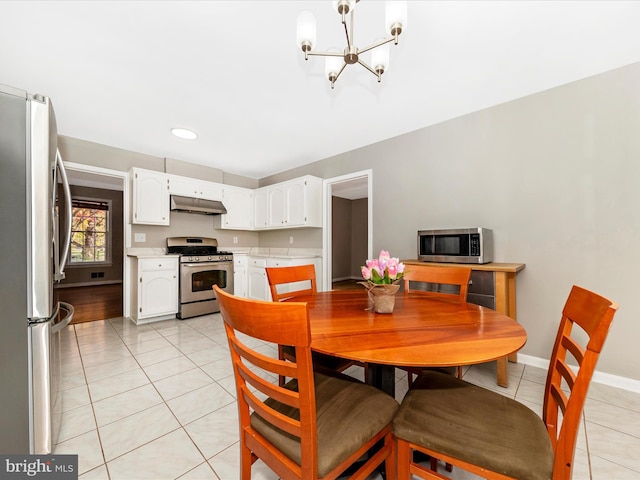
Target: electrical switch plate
[
  {"x": 235, "y": 239},
  {"x": 291, "y": 240},
  {"x": 140, "y": 237}
]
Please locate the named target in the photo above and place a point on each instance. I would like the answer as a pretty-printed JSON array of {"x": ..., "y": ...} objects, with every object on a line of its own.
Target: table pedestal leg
[{"x": 382, "y": 377}]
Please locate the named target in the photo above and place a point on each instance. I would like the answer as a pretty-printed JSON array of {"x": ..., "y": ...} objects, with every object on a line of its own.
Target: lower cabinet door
[
  {"x": 257, "y": 284},
  {"x": 158, "y": 294}
]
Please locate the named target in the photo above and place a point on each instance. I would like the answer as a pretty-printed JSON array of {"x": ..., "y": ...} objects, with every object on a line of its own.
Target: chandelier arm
[
  {"x": 376, "y": 45},
  {"x": 344, "y": 65},
  {"x": 346, "y": 29},
  {"x": 364, "y": 64},
  {"x": 326, "y": 54}
]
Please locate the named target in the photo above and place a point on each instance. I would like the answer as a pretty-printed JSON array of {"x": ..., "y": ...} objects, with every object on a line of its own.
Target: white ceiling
[{"x": 124, "y": 73}]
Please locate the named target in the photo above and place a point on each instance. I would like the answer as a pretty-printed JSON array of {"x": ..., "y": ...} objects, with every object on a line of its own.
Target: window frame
[{"x": 108, "y": 235}]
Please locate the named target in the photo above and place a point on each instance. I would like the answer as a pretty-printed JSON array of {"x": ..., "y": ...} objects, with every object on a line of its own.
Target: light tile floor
[{"x": 157, "y": 401}]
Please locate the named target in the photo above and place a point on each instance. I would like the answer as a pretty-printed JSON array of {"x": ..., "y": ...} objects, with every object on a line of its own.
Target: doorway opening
[
  {"x": 348, "y": 229},
  {"x": 94, "y": 284}
]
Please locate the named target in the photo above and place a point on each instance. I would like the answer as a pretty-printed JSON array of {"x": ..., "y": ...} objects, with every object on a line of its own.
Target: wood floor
[{"x": 92, "y": 303}]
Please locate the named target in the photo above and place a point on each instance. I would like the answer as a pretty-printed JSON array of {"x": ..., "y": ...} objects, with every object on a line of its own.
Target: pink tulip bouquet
[{"x": 384, "y": 270}]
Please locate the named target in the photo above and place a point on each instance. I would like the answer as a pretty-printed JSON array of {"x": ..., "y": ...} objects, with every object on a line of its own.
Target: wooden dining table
[{"x": 422, "y": 331}]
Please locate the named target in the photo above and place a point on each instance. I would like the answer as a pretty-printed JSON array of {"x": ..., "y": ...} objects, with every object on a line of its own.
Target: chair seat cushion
[
  {"x": 349, "y": 413},
  {"x": 476, "y": 425}
]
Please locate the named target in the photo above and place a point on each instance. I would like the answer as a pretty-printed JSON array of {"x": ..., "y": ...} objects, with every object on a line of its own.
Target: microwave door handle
[{"x": 59, "y": 273}]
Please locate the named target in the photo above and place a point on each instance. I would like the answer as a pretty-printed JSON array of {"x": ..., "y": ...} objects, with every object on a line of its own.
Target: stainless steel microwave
[{"x": 460, "y": 245}]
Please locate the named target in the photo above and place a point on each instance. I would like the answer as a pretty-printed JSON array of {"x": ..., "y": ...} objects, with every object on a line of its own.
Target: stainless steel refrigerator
[{"x": 32, "y": 258}]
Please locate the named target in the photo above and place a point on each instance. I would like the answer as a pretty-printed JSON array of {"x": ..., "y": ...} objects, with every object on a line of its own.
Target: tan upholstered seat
[
  {"x": 317, "y": 425},
  {"x": 497, "y": 437},
  {"x": 291, "y": 282}
]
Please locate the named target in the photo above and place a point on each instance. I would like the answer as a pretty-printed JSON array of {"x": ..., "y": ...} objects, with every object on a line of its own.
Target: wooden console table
[{"x": 505, "y": 298}]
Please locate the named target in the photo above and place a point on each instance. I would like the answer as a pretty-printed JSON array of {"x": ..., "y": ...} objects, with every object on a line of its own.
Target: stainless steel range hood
[{"x": 196, "y": 205}]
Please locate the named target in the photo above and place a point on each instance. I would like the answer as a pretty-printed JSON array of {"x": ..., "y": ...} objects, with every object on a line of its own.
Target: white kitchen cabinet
[
  {"x": 291, "y": 204},
  {"x": 150, "y": 197},
  {"x": 240, "y": 275},
  {"x": 156, "y": 295},
  {"x": 257, "y": 284},
  {"x": 239, "y": 204},
  {"x": 194, "y": 188}
]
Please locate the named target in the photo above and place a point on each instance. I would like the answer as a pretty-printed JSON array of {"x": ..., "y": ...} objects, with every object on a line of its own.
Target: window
[{"x": 90, "y": 232}]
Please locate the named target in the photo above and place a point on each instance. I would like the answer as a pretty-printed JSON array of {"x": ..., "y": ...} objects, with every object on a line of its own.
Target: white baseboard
[{"x": 599, "y": 377}]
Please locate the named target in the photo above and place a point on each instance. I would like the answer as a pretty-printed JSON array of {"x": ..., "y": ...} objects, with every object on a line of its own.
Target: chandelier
[{"x": 336, "y": 61}]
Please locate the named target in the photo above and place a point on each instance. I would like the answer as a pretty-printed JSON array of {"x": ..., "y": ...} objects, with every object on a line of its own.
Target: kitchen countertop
[
  {"x": 266, "y": 252},
  {"x": 149, "y": 253}
]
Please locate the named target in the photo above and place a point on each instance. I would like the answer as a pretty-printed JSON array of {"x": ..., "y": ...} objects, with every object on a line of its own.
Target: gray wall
[{"x": 555, "y": 175}]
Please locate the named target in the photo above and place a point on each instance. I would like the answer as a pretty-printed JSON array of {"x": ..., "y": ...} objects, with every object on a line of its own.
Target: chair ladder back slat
[
  {"x": 560, "y": 398},
  {"x": 566, "y": 372},
  {"x": 272, "y": 365},
  {"x": 283, "y": 395},
  {"x": 574, "y": 348},
  {"x": 283, "y": 422}
]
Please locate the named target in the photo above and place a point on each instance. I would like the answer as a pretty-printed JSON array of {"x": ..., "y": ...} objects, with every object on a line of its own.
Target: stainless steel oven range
[{"x": 201, "y": 267}]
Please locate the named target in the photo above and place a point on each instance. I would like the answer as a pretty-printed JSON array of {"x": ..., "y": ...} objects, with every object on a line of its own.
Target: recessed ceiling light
[{"x": 184, "y": 133}]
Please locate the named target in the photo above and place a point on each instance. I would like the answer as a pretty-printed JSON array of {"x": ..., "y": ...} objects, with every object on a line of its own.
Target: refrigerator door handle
[
  {"x": 66, "y": 320},
  {"x": 61, "y": 263}
]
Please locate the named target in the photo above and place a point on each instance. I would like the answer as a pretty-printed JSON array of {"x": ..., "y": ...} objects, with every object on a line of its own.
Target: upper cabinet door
[
  {"x": 183, "y": 186},
  {"x": 191, "y": 187},
  {"x": 296, "y": 205},
  {"x": 261, "y": 208},
  {"x": 150, "y": 197},
  {"x": 277, "y": 208},
  {"x": 239, "y": 204}
]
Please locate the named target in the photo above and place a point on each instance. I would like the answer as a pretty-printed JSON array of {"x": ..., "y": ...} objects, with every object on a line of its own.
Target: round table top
[{"x": 421, "y": 331}]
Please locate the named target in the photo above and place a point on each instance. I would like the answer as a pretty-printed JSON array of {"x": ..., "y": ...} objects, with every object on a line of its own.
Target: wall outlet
[
  {"x": 140, "y": 237},
  {"x": 291, "y": 240},
  {"x": 235, "y": 239}
]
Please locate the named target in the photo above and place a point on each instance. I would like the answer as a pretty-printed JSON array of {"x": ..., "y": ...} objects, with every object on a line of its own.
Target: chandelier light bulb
[
  {"x": 306, "y": 31},
  {"x": 333, "y": 65},
  {"x": 380, "y": 59},
  {"x": 395, "y": 17}
]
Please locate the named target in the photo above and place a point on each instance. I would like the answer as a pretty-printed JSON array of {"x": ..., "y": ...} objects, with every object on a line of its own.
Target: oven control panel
[{"x": 205, "y": 258}]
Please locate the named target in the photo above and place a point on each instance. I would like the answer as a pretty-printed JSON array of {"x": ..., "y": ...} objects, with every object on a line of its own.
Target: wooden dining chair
[
  {"x": 495, "y": 436},
  {"x": 315, "y": 426},
  {"x": 291, "y": 282},
  {"x": 442, "y": 282}
]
